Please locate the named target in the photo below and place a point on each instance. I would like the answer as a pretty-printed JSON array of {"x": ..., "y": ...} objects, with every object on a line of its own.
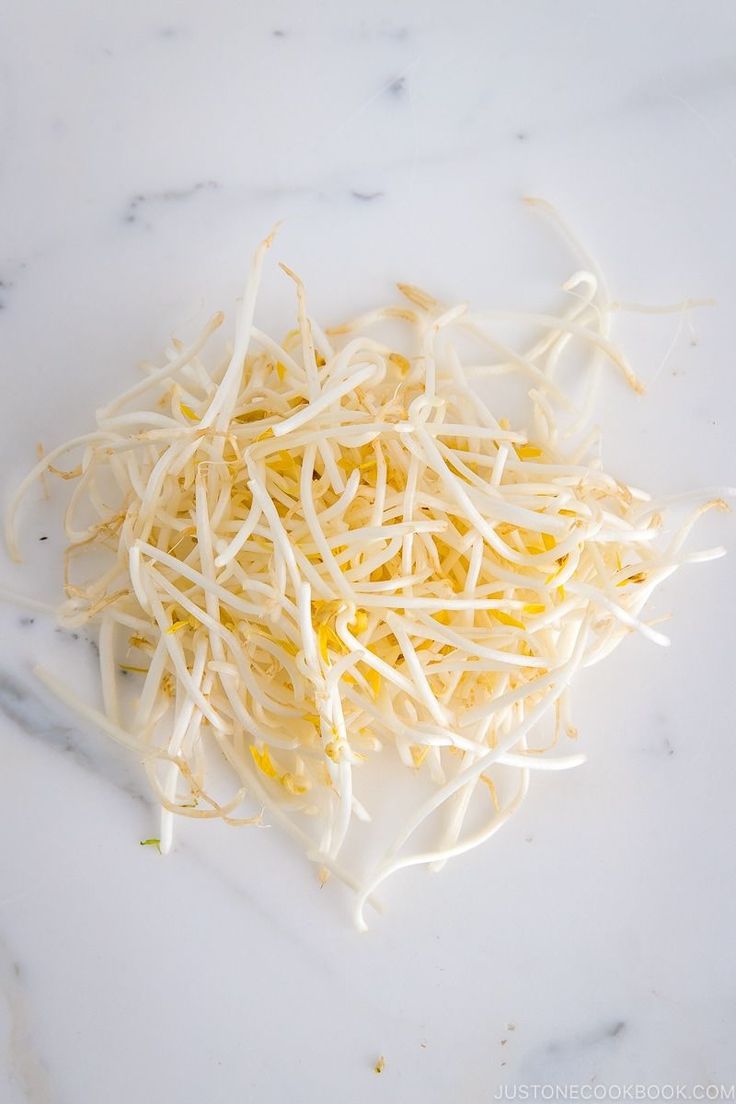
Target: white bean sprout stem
[{"x": 329, "y": 546}]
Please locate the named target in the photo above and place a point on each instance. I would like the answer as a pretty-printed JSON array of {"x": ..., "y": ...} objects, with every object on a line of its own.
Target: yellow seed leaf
[
  {"x": 418, "y": 754},
  {"x": 507, "y": 619},
  {"x": 290, "y": 461},
  {"x": 534, "y": 607},
  {"x": 324, "y": 609},
  {"x": 638, "y": 577},
  {"x": 322, "y": 642},
  {"x": 335, "y": 641},
  {"x": 400, "y": 362},
  {"x": 360, "y": 623},
  {"x": 188, "y": 412},
  {"x": 177, "y": 626},
  {"x": 226, "y": 620},
  {"x": 262, "y": 760},
  {"x": 294, "y": 784},
  {"x": 373, "y": 679}
]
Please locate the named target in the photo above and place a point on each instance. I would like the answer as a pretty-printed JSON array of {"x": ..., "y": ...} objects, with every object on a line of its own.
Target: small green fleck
[{"x": 152, "y": 843}]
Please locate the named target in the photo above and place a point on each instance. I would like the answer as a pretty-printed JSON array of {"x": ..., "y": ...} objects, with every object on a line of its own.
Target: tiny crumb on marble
[
  {"x": 380, "y": 1065},
  {"x": 397, "y": 87}
]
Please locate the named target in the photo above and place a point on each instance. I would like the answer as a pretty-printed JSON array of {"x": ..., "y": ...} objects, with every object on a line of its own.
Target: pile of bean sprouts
[{"x": 327, "y": 546}]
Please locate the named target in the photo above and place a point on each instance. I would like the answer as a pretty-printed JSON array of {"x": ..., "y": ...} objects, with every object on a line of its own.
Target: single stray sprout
[
  {"x": 329, "y": 545},
  {"x": 380, "y": 1065},
  {"x": 151, "y": 843}
]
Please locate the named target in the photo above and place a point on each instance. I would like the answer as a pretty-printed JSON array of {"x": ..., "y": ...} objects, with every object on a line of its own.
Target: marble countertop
[{"x": 144, "y": 148}]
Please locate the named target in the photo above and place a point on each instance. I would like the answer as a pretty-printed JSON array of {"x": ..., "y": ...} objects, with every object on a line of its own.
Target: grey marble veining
[
  {"x": 25, "y": 706},
  {"x": 135, "y": 212},
  {"x": 26, "y": 1071}
]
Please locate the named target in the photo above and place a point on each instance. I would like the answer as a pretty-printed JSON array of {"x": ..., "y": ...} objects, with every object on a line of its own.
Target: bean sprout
[{"x": 329, "y": 545}]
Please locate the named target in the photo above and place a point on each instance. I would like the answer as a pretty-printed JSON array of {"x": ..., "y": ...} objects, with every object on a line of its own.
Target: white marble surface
[{"x": 144, "y": 147}]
